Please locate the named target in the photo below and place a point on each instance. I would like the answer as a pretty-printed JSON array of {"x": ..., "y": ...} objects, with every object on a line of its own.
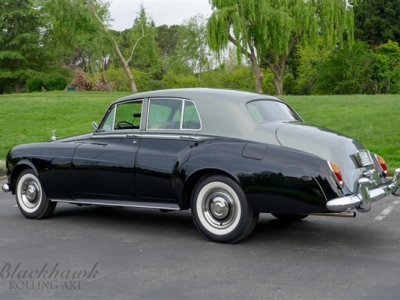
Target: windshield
[{"x": 269, "y": 110}]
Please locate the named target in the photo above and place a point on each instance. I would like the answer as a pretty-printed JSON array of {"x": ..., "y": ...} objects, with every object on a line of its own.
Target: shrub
[
  {"x": 56, "y": 83},
  {"x": 35, "y": 84}
]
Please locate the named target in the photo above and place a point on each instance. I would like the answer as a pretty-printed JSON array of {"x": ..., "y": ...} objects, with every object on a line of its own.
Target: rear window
[{"x": 269, "y": 110}]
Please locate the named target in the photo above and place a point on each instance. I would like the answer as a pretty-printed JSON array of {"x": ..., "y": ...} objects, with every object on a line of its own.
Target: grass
[{"x": 28, "y": 118}]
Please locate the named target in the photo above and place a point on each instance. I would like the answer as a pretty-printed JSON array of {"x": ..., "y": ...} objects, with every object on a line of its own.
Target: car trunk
[{"x": 330, "y": 145}]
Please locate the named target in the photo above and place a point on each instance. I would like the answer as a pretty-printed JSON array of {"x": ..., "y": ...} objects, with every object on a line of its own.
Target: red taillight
[
  {"x": 382, "y": 163},
  {"x": 338, "y": 174}
]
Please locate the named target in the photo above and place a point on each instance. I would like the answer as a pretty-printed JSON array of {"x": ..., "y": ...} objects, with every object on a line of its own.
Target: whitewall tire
[
  {"x": 31, "y": 198},
  {"x": 220, "y": 210}
]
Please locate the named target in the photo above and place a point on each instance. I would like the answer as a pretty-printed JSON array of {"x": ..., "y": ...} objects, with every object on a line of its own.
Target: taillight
[
  {"x": 383, "y": 165},
  {"x": 338, "y": 174}
]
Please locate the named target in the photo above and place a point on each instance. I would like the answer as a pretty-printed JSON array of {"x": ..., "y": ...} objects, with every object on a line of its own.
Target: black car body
[{"x": 226, "y": 155}]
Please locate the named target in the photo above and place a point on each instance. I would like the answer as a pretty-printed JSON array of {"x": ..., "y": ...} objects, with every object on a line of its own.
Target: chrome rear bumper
[{"x": 364, "y": 197}]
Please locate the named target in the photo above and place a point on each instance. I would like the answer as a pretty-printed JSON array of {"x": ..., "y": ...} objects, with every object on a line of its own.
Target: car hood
[{"x": 326, "y": 144}]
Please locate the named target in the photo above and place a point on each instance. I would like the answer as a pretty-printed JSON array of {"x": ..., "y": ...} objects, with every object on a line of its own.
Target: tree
[
  {"x": 344, "y": 70},
  {"x": 71, "y": 18},
  {"x": 386, "y": 68},
  {"x": 191, "y": 50},
  {"x": 267, "y": 31},
  {"x": 22, "y": 49},
  {"x": 377, "y": 21}
]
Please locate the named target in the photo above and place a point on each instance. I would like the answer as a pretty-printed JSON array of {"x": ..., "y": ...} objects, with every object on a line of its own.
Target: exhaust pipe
[{"x": 342, "y": 214}]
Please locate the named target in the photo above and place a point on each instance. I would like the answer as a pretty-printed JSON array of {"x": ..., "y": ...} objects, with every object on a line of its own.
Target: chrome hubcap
[
  {"x": 219, "y": 209},
  {"x": 30, "y": 193}
]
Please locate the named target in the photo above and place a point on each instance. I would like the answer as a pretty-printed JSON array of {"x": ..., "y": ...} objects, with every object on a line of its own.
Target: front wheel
[
  {"x": 31, "y": 199},
  {"x": 220, "y": 210}
]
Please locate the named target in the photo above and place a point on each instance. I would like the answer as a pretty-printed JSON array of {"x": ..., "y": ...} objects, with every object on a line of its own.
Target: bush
[
  {"x": 56, "y": 83},
  {"x": 35, "y": 84}
]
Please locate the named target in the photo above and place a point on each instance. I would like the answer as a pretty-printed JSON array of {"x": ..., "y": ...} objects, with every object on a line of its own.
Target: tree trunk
[
  {"x": 17, "y": 86},
  {"x": 127, "y": 69},
  {"x": 277, "y": 68},
  {"x": 257, "y": 71},
  {"x": 278, "y": 82}
]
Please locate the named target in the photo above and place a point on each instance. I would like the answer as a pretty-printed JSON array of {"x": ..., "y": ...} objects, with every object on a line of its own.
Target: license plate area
[{"x": 364, "y": 158}]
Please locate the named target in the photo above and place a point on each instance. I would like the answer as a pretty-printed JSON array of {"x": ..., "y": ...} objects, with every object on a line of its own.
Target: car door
[
  {"x": 104, "y": 166},
  {"x": 171, "y": 129}
]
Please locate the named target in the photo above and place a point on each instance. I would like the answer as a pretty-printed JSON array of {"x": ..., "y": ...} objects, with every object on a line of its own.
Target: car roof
[{"x": 201, "y": 94}]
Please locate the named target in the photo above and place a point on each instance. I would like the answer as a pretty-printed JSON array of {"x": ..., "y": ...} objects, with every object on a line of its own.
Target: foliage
[
  {"x": 23, "y": 51},
  {"x": 191, "y": 52},
  {"x": 344, "y": 71},
  {"x": 167, "y": 39},
  {"x": 267, "y": 31},
  {"x": 56, "y": 83},
  {"x": 35, "y": 84},
  {"x": 172, "y": 80},
  {"x": 385, "y": 69},
  {"x": 377, "y": 21},
  {"x": 308, "y": 59},
  {"x": 117, "y": 78}
]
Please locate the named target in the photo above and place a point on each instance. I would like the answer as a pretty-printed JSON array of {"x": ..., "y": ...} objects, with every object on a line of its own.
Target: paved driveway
[{"x": 122, "y": 253}]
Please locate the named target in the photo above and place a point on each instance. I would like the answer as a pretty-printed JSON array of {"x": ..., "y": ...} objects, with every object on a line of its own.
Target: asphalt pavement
[{"x": 123, "y": 253}]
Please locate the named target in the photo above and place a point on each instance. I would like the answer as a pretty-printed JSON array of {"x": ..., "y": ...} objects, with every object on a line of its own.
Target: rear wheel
[
  {"x": 31, "y": 199},
  {"x": 290, "y": 217},
  {"x": 220, "y": 210}
]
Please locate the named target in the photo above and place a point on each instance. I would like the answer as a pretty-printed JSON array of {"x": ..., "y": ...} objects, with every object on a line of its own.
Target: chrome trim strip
[
  {"x": 121, "y": 203},
  {"x": 150, "y": 136},
  {"x": 364, "y": 197},
  {"x": 115, "y": 136}
]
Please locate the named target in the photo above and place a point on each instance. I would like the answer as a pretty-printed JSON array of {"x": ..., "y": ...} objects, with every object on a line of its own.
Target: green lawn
[{"x": 28, "y": 118}]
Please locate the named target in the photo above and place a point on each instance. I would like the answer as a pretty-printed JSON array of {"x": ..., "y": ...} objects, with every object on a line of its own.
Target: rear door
[{"x": 171, "y": 130}]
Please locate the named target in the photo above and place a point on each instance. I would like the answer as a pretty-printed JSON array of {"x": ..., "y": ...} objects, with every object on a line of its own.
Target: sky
[{"x": 168, "y": 12}]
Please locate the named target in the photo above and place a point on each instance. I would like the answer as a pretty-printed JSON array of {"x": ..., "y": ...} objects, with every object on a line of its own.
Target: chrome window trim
[
  {"x": 198, "y": 114},
  {"x": 115, "y": 114}
]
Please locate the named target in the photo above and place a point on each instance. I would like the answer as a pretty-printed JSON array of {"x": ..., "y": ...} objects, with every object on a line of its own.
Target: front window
[
  {"x": 125, "y": 115},
  {"x": 269, "y": 110}
]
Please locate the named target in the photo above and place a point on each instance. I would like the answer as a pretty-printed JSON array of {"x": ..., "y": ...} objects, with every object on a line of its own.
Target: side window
[
  {"x": 167, "y": 114},
  {"x": 191, "y": 119},
  {"x": 164, "y": 114},
  {"x": 108, "y": 124},
  {"x": 124, "y": 116},
  {"x": 255, "y": 113}
]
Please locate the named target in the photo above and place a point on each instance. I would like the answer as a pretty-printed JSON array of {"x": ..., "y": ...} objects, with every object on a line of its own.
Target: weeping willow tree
[{"x": 266, "y": 31}]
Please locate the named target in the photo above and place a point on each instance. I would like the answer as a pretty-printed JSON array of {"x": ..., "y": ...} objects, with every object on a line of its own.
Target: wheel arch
[
  {"x": 20, "y": 167},
  {"x": 192, "y": 180}
]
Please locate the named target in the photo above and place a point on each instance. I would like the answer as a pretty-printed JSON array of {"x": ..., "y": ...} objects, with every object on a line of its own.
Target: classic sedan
[{"x": 225, "y": 155}]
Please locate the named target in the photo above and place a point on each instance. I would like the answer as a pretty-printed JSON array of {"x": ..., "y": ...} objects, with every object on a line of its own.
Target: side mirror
[{"x": 94, "y": 125}]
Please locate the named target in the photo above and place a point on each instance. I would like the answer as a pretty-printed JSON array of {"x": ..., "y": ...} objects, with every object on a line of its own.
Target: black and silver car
[{"x": 225, "y": 155}]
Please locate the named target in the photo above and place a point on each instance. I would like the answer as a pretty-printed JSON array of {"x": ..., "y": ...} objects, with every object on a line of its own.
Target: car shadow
[{"x": 317, "y": 232}]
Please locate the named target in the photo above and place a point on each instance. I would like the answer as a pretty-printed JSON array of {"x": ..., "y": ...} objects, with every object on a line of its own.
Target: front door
[{"x": 104, "y": 166}]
